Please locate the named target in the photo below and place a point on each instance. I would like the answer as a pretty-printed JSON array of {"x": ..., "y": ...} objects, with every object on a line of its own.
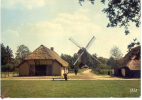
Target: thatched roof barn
[
  {"x": 131, "y": 66},
  {"x": 43, "y": 62}
]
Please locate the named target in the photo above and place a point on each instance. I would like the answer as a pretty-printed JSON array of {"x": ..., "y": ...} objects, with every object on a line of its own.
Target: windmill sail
[
  {"x": 93, "y": 57},
  {"x": 84, "y": 50},
  {"x": 72, "y": 40},
  {"x": 78, "y": 58},
  {"x": 90, "y": 43}
]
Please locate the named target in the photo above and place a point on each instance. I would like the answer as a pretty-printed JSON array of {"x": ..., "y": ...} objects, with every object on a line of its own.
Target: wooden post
[{"x": 5, "y": 75}]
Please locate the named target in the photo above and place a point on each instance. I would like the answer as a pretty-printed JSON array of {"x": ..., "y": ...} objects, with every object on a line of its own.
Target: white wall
[{"x": 123, "y": 71}]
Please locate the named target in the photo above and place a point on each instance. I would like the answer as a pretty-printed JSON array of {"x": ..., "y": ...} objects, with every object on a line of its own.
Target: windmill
[{"x": 82, "y": 53}]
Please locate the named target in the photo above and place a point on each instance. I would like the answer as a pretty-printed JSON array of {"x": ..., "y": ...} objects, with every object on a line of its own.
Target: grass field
[{"x": 76, "y": 88}]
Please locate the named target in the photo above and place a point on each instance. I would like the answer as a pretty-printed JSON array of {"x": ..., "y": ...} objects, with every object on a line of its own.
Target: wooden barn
[
  {"x": 131, "y": 66},
  {"x": 43, "y": 62}
]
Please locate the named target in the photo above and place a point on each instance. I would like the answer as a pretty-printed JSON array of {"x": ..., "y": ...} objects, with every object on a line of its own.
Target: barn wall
[
  {"x": 56, "y": 69},
  {"x": 31, "y": 62},
  {"x": 123, "y": 72},
  {"x": 49, "y": 70},
  {"x": 31, "y": 70},
  {"x": 24, "y": 69},
  {"x": 112, "y": 71},
  {"x": 62, "y": 71},
  {"x": 66, "y": 70},
  {"x": 44, "y": 62}
]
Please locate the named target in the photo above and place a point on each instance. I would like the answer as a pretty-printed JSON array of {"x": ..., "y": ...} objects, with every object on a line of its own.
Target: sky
[{"x": 52, "y": 22}]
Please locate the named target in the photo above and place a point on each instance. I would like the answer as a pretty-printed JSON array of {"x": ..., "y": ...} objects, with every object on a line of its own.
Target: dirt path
[
  {"x": 87, "y": 71},
  {"x": 87, "y": 75}
]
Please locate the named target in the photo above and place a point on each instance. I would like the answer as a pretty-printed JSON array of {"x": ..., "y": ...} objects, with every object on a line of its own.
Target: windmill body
[{"x": 83, "y": 58}]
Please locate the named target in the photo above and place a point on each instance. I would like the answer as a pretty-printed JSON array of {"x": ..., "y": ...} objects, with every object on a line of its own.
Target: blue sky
[{"x": 52, "y": 22}]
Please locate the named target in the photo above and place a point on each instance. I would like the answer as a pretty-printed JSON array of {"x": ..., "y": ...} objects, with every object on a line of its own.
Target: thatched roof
[
  {"x": 85, "y": 66},
  {"x": 43, "y": 52},
  {"x": 133, "y": 59}
]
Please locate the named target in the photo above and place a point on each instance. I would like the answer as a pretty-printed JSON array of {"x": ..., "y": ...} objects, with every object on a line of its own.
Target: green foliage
[
  {"x": 10, "y": 66},
  {"x": 121, "y": 12},
  {"x": 70, "y": 59},
  {"x": 7, "y": 68},
  {"x": 89, "y": 61},
  {"x": 117, "y": 56},
  {"x": 132, "y": 44},
  {"x": 22, "y": 52},
  {"x": 116, "y": 53},
  {"x": 77, "y": 88},
  {"x": 103, "y": 60},
  {"x": 111, "y": 62},
  {"x": 101, "y": 71},
  {"x": 102, "y": 66},
  {"x": 6, "y": 55}
]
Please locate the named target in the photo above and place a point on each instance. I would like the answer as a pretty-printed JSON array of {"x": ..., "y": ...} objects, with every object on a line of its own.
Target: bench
[{"x": 59, "y": 78}]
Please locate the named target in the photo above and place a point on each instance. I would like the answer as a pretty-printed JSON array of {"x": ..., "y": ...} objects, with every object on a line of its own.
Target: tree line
[
  {"x": 8, "y": 61},
  {"x": 114, "y": 61}
]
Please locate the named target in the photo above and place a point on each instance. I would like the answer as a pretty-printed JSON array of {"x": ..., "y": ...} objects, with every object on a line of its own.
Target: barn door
[
  {"x": 49, "y": 70},
  {"x": 31, "y": 70}
]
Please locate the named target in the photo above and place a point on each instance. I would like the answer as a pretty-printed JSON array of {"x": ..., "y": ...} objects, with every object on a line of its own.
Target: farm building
[
  {"x": 85, "y": 67},
  {"x": 131, "y": 66},
  {"x": 43, "y": 62}
]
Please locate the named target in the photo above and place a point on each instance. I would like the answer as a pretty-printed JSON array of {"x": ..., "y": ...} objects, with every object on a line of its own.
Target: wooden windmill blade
[
  {"x": 83, "y": 49},
  {"x": 90, "y": 42},
  {"x": 73, "y": 41},
  {"x": 94, "y": 58},
  {"x": 78, "y": 58}
]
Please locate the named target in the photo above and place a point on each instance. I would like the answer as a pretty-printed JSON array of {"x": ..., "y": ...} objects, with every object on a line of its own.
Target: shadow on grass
[{"x": 112, "y": 76}]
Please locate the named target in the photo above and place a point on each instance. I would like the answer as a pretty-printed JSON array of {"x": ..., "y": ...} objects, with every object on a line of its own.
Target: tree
[
  {"x": 122, "y": 12},
  {"x": 68, "y": 59},
  {"x": 90, "y": 62},
  {"x": 132, "y": 44},
  {"x": 95, "y": 55},
  {"x": 74, "y": 58},
  {"x": 110, "y": 62},
  {"x": 6, "y": 55},
  {"x": 117, "y": 55},
  {"x": 22, "y": 52}
]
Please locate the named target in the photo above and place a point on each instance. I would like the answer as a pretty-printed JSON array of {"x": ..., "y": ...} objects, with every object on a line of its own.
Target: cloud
[
  {"x": 22, "y": 4},
  {"x": 56, "y": 32},
  {"x": 77, "y": 23},
  {"x": 10, "y": 33},
  {"x": 9, "y": 37}
]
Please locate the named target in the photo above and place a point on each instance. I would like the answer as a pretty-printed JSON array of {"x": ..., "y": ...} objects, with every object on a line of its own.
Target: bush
[
  {"x": 7, "y": 67},
  {"x": 3, "y": 68},
  {"x": 102, "y": 71}
]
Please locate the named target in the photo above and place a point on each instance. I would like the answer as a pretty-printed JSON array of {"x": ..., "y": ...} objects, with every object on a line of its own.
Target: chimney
[{"x": 52, "y": 48}]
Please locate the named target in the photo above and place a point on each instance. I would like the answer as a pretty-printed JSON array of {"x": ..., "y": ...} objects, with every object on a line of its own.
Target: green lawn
[{"x": 70, "y": 88}]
